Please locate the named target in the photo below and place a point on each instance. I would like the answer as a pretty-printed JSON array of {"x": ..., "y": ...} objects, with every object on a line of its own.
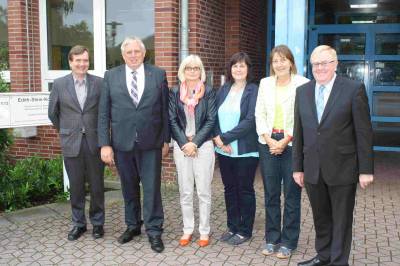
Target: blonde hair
[
  {"x": 322, "y": 48},
  {"x": 193, "y": 60}
]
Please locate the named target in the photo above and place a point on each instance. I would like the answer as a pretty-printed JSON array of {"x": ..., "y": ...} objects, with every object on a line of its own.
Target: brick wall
[
  {"x": 253, "y": 21},
  {"x": 244, "y": 30},
  {"x": 25, "y": 71},
  {"x": 207, "y": 35},
  {"x": 217, "y": 30}
]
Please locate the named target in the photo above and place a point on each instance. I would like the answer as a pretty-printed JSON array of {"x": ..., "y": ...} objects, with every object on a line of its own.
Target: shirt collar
[
  {"x": 328, "y": 85},
  {"x": 80, "y": 82},
  {"x": 139, "y": 70}
]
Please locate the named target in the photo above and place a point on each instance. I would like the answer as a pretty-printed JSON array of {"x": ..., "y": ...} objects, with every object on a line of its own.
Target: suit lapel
[
  {"x": 148, "y": 85},
  {"x": 311, "y": 98},
  {"x": 336, "y": 88},
  {"x": 246, "y": 93},
  {"x": 71, "y": 90},
  {"x": 89, "y": 92},
  {"x": 123, "y": 82}
]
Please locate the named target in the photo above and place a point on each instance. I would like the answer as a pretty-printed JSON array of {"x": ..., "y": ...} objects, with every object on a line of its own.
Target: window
[
  {"x": 68, "y": 23},
  {"x": 100, "y": 25},
  {"x": 4, "y": 64},
  {"x": 346, "y": 12},
  {"x": 128, "y": 18}
]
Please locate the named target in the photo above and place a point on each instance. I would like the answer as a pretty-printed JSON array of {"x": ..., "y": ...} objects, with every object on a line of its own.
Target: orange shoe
[
  {"x": 203, "y": 242},
  {"x": 185, "y": 241}
]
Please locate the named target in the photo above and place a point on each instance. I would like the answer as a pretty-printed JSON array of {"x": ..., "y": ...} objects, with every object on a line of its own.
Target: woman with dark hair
[
  {"x": 236, "y": 142},
  {"x": 274, "y": 120}
]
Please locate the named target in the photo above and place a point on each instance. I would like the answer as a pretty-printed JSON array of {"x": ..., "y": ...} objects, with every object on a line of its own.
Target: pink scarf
[{"x": 191, "y": 102}]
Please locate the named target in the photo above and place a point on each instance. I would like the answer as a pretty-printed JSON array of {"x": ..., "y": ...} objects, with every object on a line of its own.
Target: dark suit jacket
[
  {"x": 121, "y": 124},
  {"x": 341, "y": 145},
  {"x": 205, "y": 117},
  {"x": 67, "y": 117},
  {"x": 245, "y": 132}
]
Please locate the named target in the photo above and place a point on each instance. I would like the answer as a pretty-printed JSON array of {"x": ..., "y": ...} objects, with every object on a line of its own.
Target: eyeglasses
[
  {"x": 192, "y": 69},
  {"x": 321, "y": 64}
]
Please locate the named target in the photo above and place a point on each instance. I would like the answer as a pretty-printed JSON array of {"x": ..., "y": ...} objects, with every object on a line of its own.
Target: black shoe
[
  {"x": 98, "y": 231},
  {"x": 76, "y": 232},
  {"x": 313, "y": 262},
  {"x": 128, "y": 235},
  {"x": 156, "y": 243}
]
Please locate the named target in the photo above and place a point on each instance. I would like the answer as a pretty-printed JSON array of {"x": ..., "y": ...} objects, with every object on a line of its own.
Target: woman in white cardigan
[{"x": 274, "y": 122}]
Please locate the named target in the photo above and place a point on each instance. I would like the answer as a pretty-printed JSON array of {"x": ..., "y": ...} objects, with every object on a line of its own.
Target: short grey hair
[
  {"x": 193, "y": 60},
  {"x": 132, "y": 39},
  {"x": 322, "y": 48}
]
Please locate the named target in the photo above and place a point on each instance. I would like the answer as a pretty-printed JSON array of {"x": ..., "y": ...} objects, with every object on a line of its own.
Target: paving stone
[{"x": 40, "y": 237}]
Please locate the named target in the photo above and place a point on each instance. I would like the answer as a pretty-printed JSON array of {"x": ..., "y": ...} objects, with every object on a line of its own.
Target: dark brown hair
[
  {"x": 239, "y": 57},
  {"x": 284, "y": 51},
  {"x": 77, "y": 50}
]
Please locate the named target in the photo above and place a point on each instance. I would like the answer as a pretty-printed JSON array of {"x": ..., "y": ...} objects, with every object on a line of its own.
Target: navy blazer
[
  {"x": 245, "y": 132},
  {"x": 123, "y": 125}
]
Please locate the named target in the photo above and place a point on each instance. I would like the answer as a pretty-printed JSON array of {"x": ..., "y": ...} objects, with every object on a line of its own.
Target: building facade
[{"x": 36, "y": 35}]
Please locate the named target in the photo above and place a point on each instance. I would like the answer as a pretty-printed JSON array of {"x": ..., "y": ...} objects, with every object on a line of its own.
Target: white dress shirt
[{"x": 139, "y": 78}]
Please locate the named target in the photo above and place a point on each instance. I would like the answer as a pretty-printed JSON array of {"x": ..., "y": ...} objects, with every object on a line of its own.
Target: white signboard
[{"x": 24, "y": 109}]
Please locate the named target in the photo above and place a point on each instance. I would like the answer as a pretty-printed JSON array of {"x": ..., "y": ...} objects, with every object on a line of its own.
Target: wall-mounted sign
[{"x": 24, "y": 109}]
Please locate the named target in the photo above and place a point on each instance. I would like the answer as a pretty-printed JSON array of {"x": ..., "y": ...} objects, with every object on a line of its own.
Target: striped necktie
[
  {"x": 320, "y": 102},
  {"x": 134, "y": 89}
]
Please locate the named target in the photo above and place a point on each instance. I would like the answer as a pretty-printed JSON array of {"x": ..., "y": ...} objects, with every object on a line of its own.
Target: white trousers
[{"x": 199, "y": 171}]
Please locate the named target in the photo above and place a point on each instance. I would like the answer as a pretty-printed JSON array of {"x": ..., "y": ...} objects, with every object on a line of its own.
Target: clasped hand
[
  {"x": 276, "y": 147},
  {"x": 189, "y": 149}
]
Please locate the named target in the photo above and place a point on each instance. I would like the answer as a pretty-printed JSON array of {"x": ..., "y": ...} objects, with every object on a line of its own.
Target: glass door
[{"x": 368, "y": 47}]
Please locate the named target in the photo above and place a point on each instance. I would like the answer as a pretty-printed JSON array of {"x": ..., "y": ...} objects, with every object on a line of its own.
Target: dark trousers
[
  {"x": 276, "y": 169},
  {"x": 238, "y": 178},
  {"x": 135, "y": 167},
  {"x": 86, "y": 167},
  {"x": 332, "y": 208}
]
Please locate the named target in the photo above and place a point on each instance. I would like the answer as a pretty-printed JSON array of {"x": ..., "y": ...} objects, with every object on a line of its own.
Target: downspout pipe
[
  {"x": 184, "y": 52},
  {"x": 28, "y": 43}
]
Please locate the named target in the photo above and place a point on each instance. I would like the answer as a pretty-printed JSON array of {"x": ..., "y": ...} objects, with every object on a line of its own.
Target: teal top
[{"x": 228, "y": 118}]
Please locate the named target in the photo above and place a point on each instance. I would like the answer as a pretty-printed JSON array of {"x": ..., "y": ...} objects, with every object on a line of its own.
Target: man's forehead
[
  {"x": 321, "y": 56},
  {"x": 84, "y": 56}
]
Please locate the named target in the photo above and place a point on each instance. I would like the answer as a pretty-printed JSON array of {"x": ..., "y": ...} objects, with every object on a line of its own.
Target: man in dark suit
[
  {"x": 133, "y": 127},
  {"x": 73, "y": 110},
  {"x": 332, "y": 151}
]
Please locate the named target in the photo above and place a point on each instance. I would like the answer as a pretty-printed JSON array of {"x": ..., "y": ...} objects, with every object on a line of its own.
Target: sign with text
[{"x": 24, "y": 109}]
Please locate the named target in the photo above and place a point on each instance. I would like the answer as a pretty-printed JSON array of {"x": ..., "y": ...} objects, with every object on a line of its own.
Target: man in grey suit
[
  {"x": 73, "y": 110},
  {"x": 133, "y": 126}
]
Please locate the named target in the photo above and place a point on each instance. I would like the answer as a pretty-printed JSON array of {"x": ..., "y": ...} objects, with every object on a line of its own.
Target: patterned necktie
[
  {"x": 320, "y": 102},
  {"x": 134, "y": 89}
]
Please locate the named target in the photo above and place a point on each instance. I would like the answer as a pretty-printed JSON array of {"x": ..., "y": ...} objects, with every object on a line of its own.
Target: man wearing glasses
[{"x": 332, "y": 151}]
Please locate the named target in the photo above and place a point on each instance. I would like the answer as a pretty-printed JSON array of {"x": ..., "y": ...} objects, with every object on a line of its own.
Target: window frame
[{"x": 99, "y": 44}]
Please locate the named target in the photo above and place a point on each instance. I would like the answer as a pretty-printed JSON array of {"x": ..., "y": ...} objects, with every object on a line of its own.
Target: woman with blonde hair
[
  {"x": 192, "y": 115},
  {"x": 274, "y": 123}
]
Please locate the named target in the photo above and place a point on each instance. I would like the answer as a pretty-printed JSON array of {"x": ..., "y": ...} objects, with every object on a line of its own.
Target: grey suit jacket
[
  {"x": 341, "y": 144},
  {"x": 122, "y": 125},
  {"x": 69, "y": 119}
]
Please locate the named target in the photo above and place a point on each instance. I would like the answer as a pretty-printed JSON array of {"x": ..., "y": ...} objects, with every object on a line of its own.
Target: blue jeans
[
  {"x": 275, "y": 169},
  {"x": 240, "y": 200}
]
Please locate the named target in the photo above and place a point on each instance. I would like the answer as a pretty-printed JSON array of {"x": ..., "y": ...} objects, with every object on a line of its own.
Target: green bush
[{"x": 31, "y": 181}]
